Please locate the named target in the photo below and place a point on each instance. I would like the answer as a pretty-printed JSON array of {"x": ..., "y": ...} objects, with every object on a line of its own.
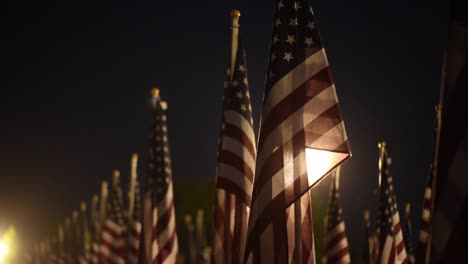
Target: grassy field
[{"x": 190, "y": 196}]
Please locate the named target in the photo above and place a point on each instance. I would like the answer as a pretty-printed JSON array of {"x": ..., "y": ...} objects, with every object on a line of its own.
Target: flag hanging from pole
[
  {"x": 159, "y": 236},
  {"x": 336, "y": 241},
  {"x": 114, "y": 231},
  {"x": 134, "y": 223},
  {"x": 424, "y": 229},
  {"x": 302, "y": 138},
  {"x": 450, "y": 215},
  {"x": 389, "y": 232},
  {"x": 408, "y": 235},
  {"x": 85, "y": 256},
  {"x": 97, "y": 220},
  {"x": 235, "y": 167}
]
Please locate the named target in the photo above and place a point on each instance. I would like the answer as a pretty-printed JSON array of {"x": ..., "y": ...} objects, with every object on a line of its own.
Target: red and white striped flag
[
  {"x": 391, "y": 243},
  {"x": 336, "y": 241},
  {"x": 302, "y": 139},
  {"x": 449, "y": 222},
  {"x": 114, "y": 230},
  {"x": 159, "y": 234},
  {"x": 134, "y": 213},
  {"x": 424, "y": 230},
  {"x": 236, "y": 165},
  {"x": 94, "y": 227}
]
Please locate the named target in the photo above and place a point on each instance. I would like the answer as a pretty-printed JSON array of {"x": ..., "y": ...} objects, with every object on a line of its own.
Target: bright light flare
[
  {"x": 3, "y": 251},
  {"x": 320, "y": 162}
]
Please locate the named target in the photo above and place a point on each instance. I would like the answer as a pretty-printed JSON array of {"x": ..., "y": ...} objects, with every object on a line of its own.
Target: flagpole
[
  {"x": 102, "y": 205},
  {"x": 436, "y": 152},
  {"x": 133, "y": 180},
  {"x": 235, "y": 14},
  {"x": 381, "y": 145}
]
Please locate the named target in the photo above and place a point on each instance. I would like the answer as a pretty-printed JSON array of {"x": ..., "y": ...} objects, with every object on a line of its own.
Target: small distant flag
[
  {"x": 113, "y": 234},
  {"x": 408, "y": 234},
  {"x": 336, "y": 241},
  {"x": 85, "y": 254},
  {"x": 302, "y": 139},
  {"x": 159, "y": 234},
  {"x": 134, "y": 223},
  {"x": 191, "y": 250},
  {"x": 369, "y": 253},
  {"x": 389, "y": 232},
  {"x": 98, "y": 216}
]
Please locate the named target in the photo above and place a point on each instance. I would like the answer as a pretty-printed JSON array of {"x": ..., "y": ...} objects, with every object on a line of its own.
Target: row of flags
[
  {"x": 262, "y": 210},
  {"x": 138, "y": 227}
]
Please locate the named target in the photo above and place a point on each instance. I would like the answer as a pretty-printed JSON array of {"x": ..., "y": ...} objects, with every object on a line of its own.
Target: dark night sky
[{"x": 76, "y": 76}]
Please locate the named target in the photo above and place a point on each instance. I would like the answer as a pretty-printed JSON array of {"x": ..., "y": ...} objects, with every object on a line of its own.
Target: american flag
[
  {"x": 85, "y": 256},
  {"x": 113, "y": 234},
  {"x": 63, "y": 256},
  {"x": 134, "y": 223},
  {"x": 367, "y": 249},
  {"x": 300, "y": 115},
  {"x": 425, "y": 219},
  {"x": 336, "y": 241},
  {"x": 408, "y": 234},
  {"x": 191, "y": 250},
  {"x": 96, "y": 226},
  {"x": 235, "y": 167},
  {"x": 450, "y": 215},
  {"x": 391, "y": 243},
  {"x": 159, "y": 231}
]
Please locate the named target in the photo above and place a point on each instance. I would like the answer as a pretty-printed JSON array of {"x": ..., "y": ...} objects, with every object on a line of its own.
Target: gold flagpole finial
[
  {"x": 382, "y": 144},
  {"x": 235, "y": 14},
  {"x": 75, "y": 215},
  {"x": 188, "y": 219},
  {"x": 116, "y": 177},
  {"x": 366, "y": 215},
  {"x": 104, "y": 184},
  {"x": 95, "y": 199},
  {"x": 407, "y": 208},
  {"x": 155, "y": 92},
  {"x": 135, "y": 156},
  {"x": 83, "y": 206}
]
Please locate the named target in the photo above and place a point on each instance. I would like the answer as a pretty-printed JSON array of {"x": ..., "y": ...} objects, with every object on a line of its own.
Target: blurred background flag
[
  {"x": 134, "y": 213},
  {"x": 113, "y": 234},
  {"x": 336, "y": 241},
  {"x": 408, "y": 234},
  {"x": 390, "y": 236},
  {"x": 450, "y": 230},
  {"x": 159, "y": 234}
]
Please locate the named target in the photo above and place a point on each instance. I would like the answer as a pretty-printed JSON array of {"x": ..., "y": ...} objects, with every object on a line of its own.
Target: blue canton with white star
[
  {"x": 387, "y": 201},
  {"x": 295, "y": 37},
  {"x": 236, "y": 92},
  {"x": 159, "y": 165}
]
